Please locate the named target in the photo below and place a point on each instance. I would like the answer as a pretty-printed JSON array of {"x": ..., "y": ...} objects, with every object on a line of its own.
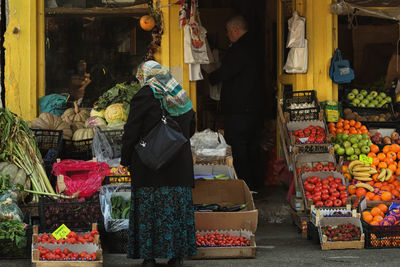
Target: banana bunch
[
  {"x": 384, "y": 175},
  {"x": 361, "y": 171}
]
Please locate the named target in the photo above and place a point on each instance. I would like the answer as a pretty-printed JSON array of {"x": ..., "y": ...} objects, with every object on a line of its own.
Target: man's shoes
[
  {"x": 149, "y": 263},
  {"x": 175, "y": 262}
]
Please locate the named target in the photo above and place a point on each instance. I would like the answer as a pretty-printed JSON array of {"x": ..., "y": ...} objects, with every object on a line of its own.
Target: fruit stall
[{"x": 345, "y": 160}]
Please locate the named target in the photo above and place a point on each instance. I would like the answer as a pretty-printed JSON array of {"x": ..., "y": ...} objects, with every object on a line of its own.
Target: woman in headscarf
[{"x": 161, "y": 223}]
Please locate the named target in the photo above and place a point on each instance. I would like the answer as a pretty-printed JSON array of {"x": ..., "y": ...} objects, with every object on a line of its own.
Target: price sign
[
  {"x": 61, "y": 232},
  {"x": 365, "y": 159}
]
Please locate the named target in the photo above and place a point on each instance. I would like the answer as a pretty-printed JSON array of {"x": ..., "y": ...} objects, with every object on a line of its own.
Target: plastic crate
[
  {"x": 80, "y": 150},
  {"x": 381, "y": 236},
  {"x": 114, "y": 138},
  {"x": 54, "y": 212},
  {"x": 301, "y": 97},
  {"x": 50, "y": 145},
  {"x": 346, "y": 102},
  {"x": 115, "y": 242},
  {"x": 8, "y": 249}
]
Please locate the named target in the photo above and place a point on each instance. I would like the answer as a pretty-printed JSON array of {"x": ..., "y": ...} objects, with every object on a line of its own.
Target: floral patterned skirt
[{"x": 161, "y": 223}]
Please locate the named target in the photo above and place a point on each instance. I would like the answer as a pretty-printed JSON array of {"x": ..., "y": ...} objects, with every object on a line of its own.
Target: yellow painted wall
[
  {"x": 171, "y": 53},
  {"x": 21, "y": 67},
  {"x": 321, "y": 33}
]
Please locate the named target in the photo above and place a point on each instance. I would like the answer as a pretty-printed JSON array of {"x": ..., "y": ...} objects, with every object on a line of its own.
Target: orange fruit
[
  {"x": 352, "y": 189},
  {"x": 363, "y": 127},
  {"x": 341, "y": 120},
  {"x": 368, "y": 217},
  {"x": 382, "y": 165},
  {"x": 377, "y": 198},
  {"x": 374, "y": 148},
  {"x": 361, "y": 192},
  {"x": 395, "y": 192},
  {"x": 395, "y": 148},
  {"x": 364, "y": 131},
  {"x": 386, "y": 149},
  {"x": 383, "y": 208},
  {"x": 398, "y": 171},
  {"x": 376, "y": 211},
  {"x": 393, "y": 167},
  {"x": 358, "y": 125},
  {"x": 352, "y": 122},
  {"x": 398, "y": 155},
  {"x": 371, "y": 155},
  {"x": 378, "y": 185},
  {"x": 386, "y": 196},
  {"x": 375, "y": 161},
  {"x": 339, "y": 125},
  {"x": 353, "y": 131},
  {"x": 389, "y": 161},
  {"x": 392, "y": 155},
  {"x": 378, "y": 218},
  {"x": 344, "y": 168},
  {"x": 346, "y": 126},
  {"x": 381, "y": 156},
  {"x": 370, "y": 195},
  {"x": 339, "y": 130},
  {"x": 375, "y": 176},
  {"x": 374, "y": 223},
  {"x": 346, "y": 131},
  {"x": 331, "y": 124},
  {"x": 385, "y": 188},
  {"x": 346, "y": 122},
  {"x": 347, "y": 176}
]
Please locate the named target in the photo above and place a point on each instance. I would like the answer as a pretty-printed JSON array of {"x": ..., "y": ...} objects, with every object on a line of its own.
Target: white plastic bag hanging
[
  {"x": 194, "y": 39},
  {"x": 296, "y": 34},
  {"x": 297, "y": 60}
]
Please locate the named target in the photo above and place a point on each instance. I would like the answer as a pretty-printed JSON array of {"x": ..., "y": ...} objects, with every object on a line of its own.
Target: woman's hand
[{"x": 122, "y": 170}]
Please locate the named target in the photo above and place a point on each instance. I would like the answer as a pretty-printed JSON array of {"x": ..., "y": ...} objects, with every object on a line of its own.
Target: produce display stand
[
  {"x": 96, "y": 247},
  {"x": 243, "y": 252},
  {"x": 329, "y": 245}
]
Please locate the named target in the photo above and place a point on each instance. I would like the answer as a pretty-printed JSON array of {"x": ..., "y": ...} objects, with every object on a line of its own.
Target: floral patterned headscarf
[{"x": 174, "y": 98}]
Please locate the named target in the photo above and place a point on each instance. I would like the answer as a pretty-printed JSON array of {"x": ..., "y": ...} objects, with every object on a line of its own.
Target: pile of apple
[
  {"x": 378, "y": 139},
  {"x": 328, "y": 192},
  {"x": 370, "y": 100},
  {"x": 351, "y": 146},
  {"x": 310, "y": 135}
]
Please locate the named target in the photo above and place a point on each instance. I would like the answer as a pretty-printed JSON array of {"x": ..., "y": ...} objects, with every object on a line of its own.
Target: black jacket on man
[
  {"x": 144, "y": 114},
  {"x": 241, "y": 76}
]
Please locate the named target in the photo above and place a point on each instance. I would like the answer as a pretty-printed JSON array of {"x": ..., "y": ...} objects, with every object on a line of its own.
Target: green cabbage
[{"x": 115, "y": 112}]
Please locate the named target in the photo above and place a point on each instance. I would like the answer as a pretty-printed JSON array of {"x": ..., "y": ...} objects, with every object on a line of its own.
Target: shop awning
[{"x": 388, "y": 9}]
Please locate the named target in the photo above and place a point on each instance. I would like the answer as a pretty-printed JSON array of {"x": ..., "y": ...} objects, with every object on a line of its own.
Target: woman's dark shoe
[
  {"x": 149, "y": 263},
  {"x": 175, "y": 262}
]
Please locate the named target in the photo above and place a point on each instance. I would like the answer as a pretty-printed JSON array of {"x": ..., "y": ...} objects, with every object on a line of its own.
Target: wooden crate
[
  {"x": 329, "y": 245},
  {"x": 318, "y": 213},
  {"x": 300, "y": 220},
  {"x": 227, "y": 252}
]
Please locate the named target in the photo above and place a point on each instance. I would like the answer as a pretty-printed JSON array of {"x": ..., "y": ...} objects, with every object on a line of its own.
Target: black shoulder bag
[{"x": 162, "y": 143}]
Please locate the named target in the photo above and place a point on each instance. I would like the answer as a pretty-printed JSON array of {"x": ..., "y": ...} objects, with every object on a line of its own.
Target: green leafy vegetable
[
  {"x": 14, "y": 230},
  {"x": 120, "y": 93}
]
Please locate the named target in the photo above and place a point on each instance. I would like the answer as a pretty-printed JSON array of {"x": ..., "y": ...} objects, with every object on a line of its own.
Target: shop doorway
[{"x": 261, "y": 17}]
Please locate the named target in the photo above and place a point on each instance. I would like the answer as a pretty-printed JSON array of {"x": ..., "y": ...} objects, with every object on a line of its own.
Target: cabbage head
[{"x": 115, "y": 112}]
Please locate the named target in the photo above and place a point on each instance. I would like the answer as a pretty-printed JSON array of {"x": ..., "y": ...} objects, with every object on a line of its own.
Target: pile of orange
[
  {"x": 349, "y": 127},
  {"x": 384, "y": 191},
  {"x": 389, "y": 158},
  {"x": 376, "y": 215}
]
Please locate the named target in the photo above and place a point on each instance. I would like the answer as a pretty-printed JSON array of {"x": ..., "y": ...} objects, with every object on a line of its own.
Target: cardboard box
[
  {"x": 212, "y": 169},
  {"x": 228, "y": 252},
  {"x": 227, "y": 193}
]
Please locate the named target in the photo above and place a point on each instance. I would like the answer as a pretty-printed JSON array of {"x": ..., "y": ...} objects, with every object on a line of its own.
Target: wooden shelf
[{"x": 98, "y": 11}]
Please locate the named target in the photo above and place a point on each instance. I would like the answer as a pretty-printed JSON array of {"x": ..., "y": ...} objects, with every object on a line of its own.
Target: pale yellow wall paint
[
  {"x": 21, "y": 58},
  {"x": 321, "y": 33},
  {"x": 170, "y": 54}
]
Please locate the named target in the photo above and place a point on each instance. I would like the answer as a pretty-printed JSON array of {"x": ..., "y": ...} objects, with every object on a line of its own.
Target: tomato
[
  {"x": 316, "y": 199},
  {"x": 337, "y": 203},
  {"x": 336, "y": 194},
  {"x": 342, "y": 188},
  {"x": 308, "y": 187},
  {"x": 318, "y": 204},
  {"x": 338, "y": 181},
  {"x": 314, "y": 179},
  {"x": 333, "y": 185},
  {"x": 317, "y": 188},
  {"x": 325, "y": 181},
  {"x": 93, "y": 233},
  {"x": 343, "y": 195},
  {"x": 325, "y": 197},
  {"x": 39, "y": 239},
  {"x": 86, "y": 236},
  {"x": 57, "y": 251},
  {"x": 332, "y": 190},
  {"x": 344, "y": 200},
  {"x": 325, "y": 186},
  {"x": 330, "y": 178},
  {"x": 65, "y": 251},
  {"x": 325, "y": 191},
  {"x": 332, "y": 198},
  {"x": 72, "y": 240},
  {"x": 318, "y": 183},
  {"x": 91, "y": 239},
  {"x": 328, "y": 203}
]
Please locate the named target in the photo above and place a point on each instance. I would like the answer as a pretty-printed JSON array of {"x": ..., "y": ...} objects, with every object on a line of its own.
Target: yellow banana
[
  {"x": 366, "y": 186},
  {"x": 361, "y": 169},
  {"x": 361, "y": 174},
  {"x": 354, "y": 163},
  {"x": 364, "y": 179},
  {"x": 389, "y": 174},
  {"x": 381, "y": 175},
  {"x": 372, "y": 171}
]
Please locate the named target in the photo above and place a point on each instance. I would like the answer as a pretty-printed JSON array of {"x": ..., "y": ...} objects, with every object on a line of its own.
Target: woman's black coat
[{"x": 144, "y": 114}]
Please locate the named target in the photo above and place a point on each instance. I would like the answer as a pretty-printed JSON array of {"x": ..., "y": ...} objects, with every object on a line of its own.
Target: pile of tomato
[
  {"x": 216, "y": 239},
  {"x": 72, "y": 238},
  {"x": 325, "y": 192},
  {"x": 64, "y": 255}
]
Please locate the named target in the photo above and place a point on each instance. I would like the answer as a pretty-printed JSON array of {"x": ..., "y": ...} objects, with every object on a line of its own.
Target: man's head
[{"x": 236, "y": 27}]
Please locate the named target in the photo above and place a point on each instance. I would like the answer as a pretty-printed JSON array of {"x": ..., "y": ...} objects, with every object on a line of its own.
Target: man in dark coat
[{"x": 241, "y": 77}]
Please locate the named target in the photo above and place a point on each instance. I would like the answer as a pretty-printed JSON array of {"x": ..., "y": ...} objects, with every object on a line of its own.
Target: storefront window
[{"x": 89, "y": 49}]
